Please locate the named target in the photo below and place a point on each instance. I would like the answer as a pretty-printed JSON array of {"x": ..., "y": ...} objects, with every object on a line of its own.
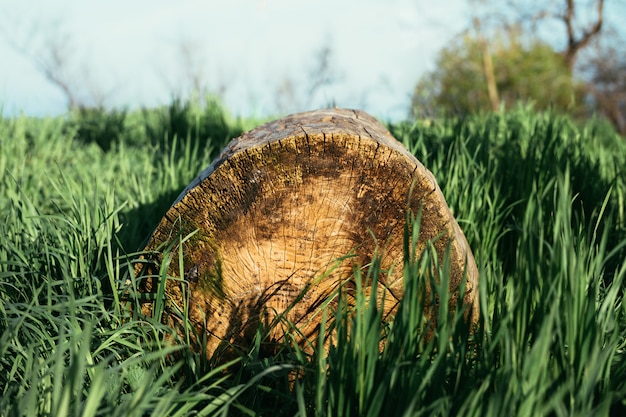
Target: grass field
[{"x": 541, "y": 200}]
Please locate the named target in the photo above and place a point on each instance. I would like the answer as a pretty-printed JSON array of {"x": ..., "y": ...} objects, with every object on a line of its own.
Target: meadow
[{"x": 542, "y": 202}]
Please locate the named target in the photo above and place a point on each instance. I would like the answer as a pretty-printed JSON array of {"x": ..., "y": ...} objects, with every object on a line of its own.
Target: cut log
[{"x": 279, "y": 210}]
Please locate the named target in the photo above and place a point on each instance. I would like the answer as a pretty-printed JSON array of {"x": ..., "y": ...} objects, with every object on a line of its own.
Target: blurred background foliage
[
  {"x": 509, "y": 56},
  {"x": 531, "y": 72}
]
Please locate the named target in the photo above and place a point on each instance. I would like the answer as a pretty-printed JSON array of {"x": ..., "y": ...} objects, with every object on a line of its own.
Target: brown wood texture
[{"x": 279, "y": 210}]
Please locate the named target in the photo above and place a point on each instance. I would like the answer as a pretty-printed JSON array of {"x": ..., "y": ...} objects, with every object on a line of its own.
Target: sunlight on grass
[{"x": 541, "y": 201}]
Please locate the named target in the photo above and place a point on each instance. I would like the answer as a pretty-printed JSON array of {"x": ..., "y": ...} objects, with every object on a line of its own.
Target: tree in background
[
  {"x": 53, "y": 51},
  {"x": 507, "y": 59},
  {"x": 292, "y": 95},
  {"x": 523, "y": 71}
]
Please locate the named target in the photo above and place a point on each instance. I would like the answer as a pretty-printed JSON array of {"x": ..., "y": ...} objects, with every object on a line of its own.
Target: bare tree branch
[
  {"x": 53, "y": 52},
  {"x": 53, "y": 63},
  {"x": 575, "y": 44},
  {"x": 322, "y": 74}
]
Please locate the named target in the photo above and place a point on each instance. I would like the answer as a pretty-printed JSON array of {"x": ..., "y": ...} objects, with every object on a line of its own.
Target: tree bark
[{"x": 278, "y": 211}]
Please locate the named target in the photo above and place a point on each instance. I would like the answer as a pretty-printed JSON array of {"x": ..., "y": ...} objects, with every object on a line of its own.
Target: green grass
[{"x": 541, "y": 200}]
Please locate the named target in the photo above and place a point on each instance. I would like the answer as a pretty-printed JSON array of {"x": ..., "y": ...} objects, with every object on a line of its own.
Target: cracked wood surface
[{"x": 280, "y": 209}]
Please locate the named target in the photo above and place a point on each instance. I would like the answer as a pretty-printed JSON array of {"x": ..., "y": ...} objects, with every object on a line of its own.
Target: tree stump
[{"x": 280, "y": 208}]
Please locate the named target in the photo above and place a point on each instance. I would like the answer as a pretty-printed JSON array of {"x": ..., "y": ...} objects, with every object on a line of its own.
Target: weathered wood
[{"x": 281, "y": 207}]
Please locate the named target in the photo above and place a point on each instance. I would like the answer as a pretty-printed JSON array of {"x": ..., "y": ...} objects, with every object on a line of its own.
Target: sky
[{"x": 259, "y": 56}]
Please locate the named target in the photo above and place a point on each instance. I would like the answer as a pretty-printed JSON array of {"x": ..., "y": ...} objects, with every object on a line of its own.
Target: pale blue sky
[{"x": 130, "y": 51}]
